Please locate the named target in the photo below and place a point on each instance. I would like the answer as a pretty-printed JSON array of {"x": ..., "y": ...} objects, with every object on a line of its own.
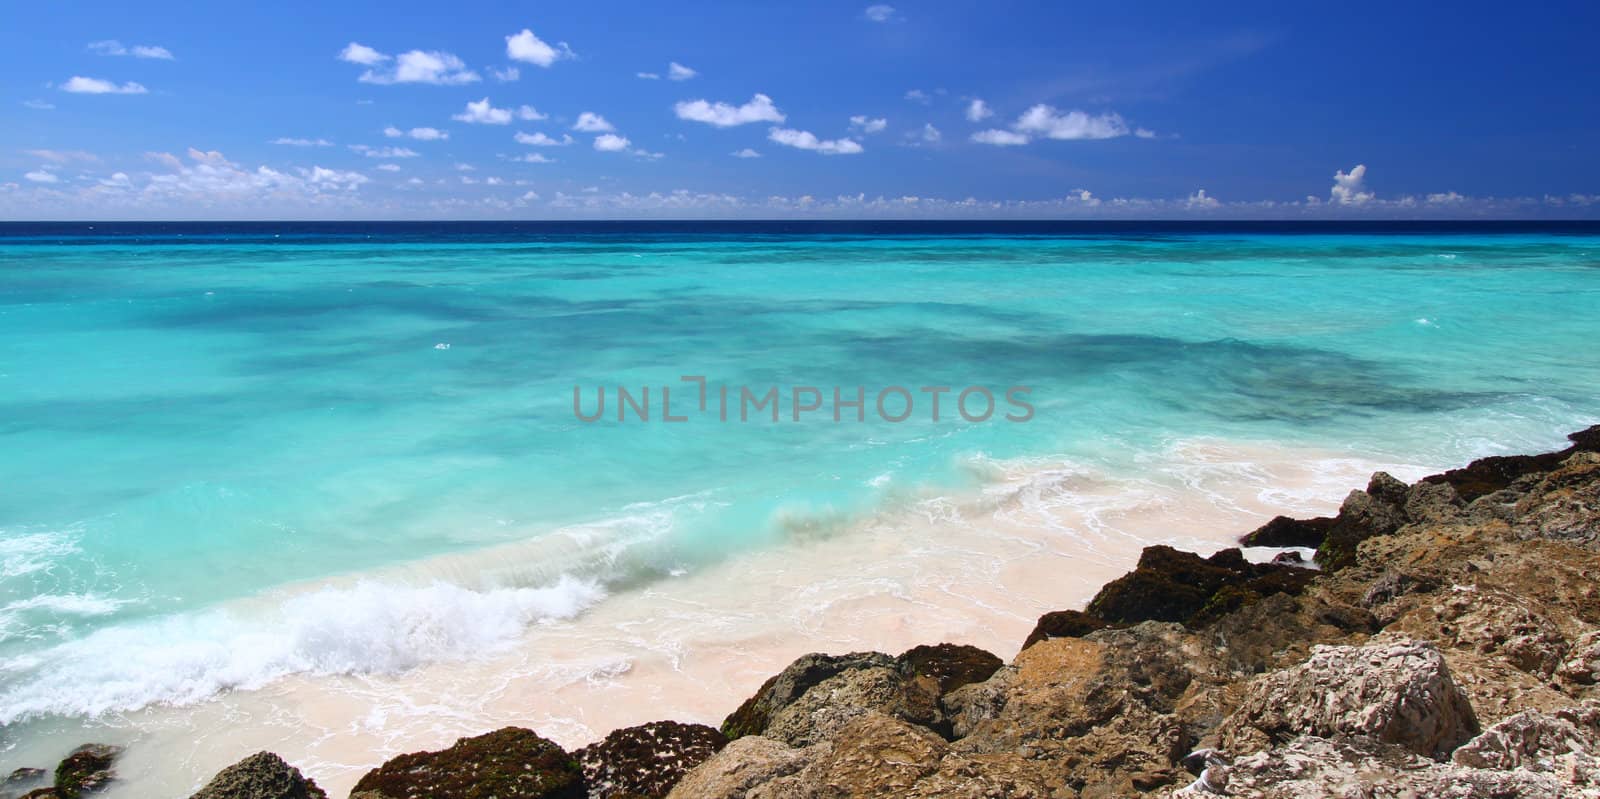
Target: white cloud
[
  {"x": 880, "y": 13},
  {"x": 393, "y": 132},
  {"x": 39, "y": 105},
  {"x": 723, "y": 115},
  {"x": 535, "y": 158},
  {"x": 114, "y": 47},
  {"x": 357, "y": 53},
  {"x": 466, "y": 168},
  {"x": 528, "y": 113},
  {"x": 1200, "y": 200},
  {"x": 864, "y": 124},
  {"x": 389, "y": 167},
  {"x": 416, "y": 66},
  {"x": 63, "y": 156},
  {"x": 541, "y": 140},
  {"x": 648, "y": 75},
  {"x": 1446, "y": 198},
  {"x": 919, "y": 96},
  {"x": 428, "y": 134},
  {"x": 677, "y": 71},
  {"x": 507, "y": 75},
  {"x": 746, "y": 153},
  {"x": 1144, "y": 133},
  {"x": 384, "y": 152},
  {"x": 1046, "y": 121},
  {"x": 931, "y": 134},
  {"x": 332, "y": 178},
  {"x": 611, "y": 143},
  {"x": 529, "y": 48},
  {"x": 978, "y": 110},
  {"x": 302, "y": 142},
  {"x": 482, "y": 113},
  {"x": 82, "y": 85},
  {"x": 999, "y": 138},
  {"x": 1349, "y": 187},
  {"x": 805, "y": 140},
  {"x": 41, "y": 176},
  {"x": 590, "y": 122}
]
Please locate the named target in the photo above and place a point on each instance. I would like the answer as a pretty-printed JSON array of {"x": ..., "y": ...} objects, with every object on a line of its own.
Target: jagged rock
[
  {"x": 23, "y": 780},
  {"x": 1290, "y": 558},
  {"x": 1309, "y": 767},
  {"x": 1565, "y": 505},
  {"x": 1392, "y": 585},
  {"x": 647, "y": 760},
  {"x": 1379, "y": 510},
  {"x": 1433, "y": 503},
  {"x": 509, "y": 763},
  {"x": 1174, "y": 586},
  {"x": 262, "y": 775},
  {"x": 1283, "y": 531},
  {"x": 967, "y": 706},
  {"x": 827, "y": 706},
  {"x": 1064, "y": 624},
  {"x": 1399, "y": 692},
  {"x": 1490, "y": 622},
  {"x": 1566, "y": 743},
  {"x": 743, "y": 765},
  {"x": 1582, "y": 666},
  {"x": 1488, "y": 475},
  {"x": 752, "y": 717},
  {"x": 950, "y": 666},
  {"x": 89, "y": 769}
]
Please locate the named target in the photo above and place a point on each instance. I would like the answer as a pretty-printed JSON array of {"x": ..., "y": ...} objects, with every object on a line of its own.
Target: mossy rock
[
  {"x": 87, "y": 770},
  {"x": 509, "y": 763},
  {"x": 1173, "y": 586},
  {"x": 950, "y": 666},
  {"x": 646, "y": 761}
]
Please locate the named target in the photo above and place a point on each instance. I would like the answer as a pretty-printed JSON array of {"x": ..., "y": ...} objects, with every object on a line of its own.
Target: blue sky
[{"x": 818, "y": 109}]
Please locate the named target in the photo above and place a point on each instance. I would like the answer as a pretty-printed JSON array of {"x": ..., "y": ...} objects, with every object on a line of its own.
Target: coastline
[{"x": 1045, "y": 534}]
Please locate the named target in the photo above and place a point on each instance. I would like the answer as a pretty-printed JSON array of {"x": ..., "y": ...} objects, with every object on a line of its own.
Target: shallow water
[{"x": 235, "y": 457}]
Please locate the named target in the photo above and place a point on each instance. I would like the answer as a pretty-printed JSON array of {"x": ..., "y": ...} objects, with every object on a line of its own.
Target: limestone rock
[
  {"x": 829, "y": 705},
  {"x": 1377, "y": 511},
  {"x": 1565, "y": 744},
  {"x": 745, "y": 764},
  {"x": 646, "y": 760},
  {"x": 262, "y": 775},
  {"x": 509, "y": 763},
  {"x": 751, "y": 718},
  {"x": 1398, "y": 692}
]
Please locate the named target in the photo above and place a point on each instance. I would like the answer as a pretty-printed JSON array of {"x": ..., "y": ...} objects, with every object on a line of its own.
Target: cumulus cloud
[
  {"x": 81, "y": 85},
  {"x": 978, "y": 110},
  {"x": 1046, "y": 121},
  {"x": 333, "y": 178},
  {"x": 506, "y": 75},
  {"x": 384, "y": 152},
  {"x": 724, "y": 115},
  {"x": 63, "y": 156},
  {"x": 528, "y": 113},
  {"x": 590, "y": 122},
  {"x": 535, "y": 158},
  {"x": 290, "y": 142},
  {"x": 1446, "y": 198},
  {"x": 805, "y": 140},
  {"x": 919, "y": 96},
  {"x": 482, "y": 113},
  {"x": 880, "y": 13},
  {"x": 114, "y": 47},
  {"x": 999, "y": 138},
  {"x": 541, "y": 140},
  {"x": 428, "y": 134},
  {"x": 746, "y": 153},
  {"x": 414, "y": 66},
  {"x": 677, "y": 71},
  {"x": 931, "y": 134},
  {"x": 1200, "y": 200},
  {"x": 1144, "y": 133},
  {"x": 1349, "y": 188},
  {"x": 648, "y": 75},
  {"x": 611, "y": 143},
  {"x": 530, "y": 49},
  {"x": 389, "y": 167},
  {"x": 865, "y": 124},
  {"x": 41, "y": 176},
  {"x": 357, "y": 53}
]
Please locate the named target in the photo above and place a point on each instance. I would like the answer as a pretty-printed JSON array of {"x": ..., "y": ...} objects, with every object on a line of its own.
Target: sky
[{"x": 822, "y": 109}]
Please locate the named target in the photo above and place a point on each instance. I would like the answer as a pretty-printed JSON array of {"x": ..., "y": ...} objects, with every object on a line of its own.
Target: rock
[
  {"x": 1582, "y": 666},
  {"x": 88, "y": 770},
  {"x": 1379, "y": 510},
  {"x": 1290, "y": 558},
  {"x": 751, "y": 718},
  {"x": 1433, "y": 503},
  {"x": 1309, "y": 767},
  {"x": 509, "y": 763},
  {"x": 1398, "y": 692},
  {"x": 1283, "y": 531},
  {"x": 950, "y": 666},
  {"x": 967, "y": 706},
  {"x": 1566, "y": 742},
  {"x": 741, "y": 766},
  {"x": 1393, "y": 584},
  {"x": 646, "y": 760},
  {"x": 1169, "y": 585},
  {"x": 22, "y": 781},
  {"x": 831, "y": 704},
  {"x": 873, "y": 756},
  {"x": 1490, "y": 622},
  {"x": 262, "y": 775},
  {"x": 1565, "y": 505},
  {"x": 1064, "y": 624}
]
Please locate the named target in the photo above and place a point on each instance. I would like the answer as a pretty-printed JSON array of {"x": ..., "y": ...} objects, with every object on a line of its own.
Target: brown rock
[
  {"x": 509, "y": 763},
  {"x": 647, "y": 760},
  {"x": 262, "y": 775},
  {"x": 751, "y": 718}
]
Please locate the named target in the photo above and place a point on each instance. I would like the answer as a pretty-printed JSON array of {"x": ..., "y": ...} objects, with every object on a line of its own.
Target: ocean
[{"x": 260, "y": 479}]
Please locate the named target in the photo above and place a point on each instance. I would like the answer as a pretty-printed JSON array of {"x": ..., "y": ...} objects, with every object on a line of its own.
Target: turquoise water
[{"x": 190, "y": 421}]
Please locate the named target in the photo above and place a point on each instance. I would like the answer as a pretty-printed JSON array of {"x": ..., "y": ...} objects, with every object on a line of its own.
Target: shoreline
[{"x": 576, "y": 680}]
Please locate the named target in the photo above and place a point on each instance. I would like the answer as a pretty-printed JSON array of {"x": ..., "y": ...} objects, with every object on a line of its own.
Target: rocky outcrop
[
  {"x": 88, "y": 770},
  {"x": 1283, "y": 531},
  {"x": 784, "y": 688},
  {"x": 950, "y": 666},
  {"x": 1169, "y": 585},
  {"x": 1064, "y": 624},
  {"x": 263, "y": 775},
  {"x": 509, "y": 763},
  {"x": 647, "y": 760}
]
